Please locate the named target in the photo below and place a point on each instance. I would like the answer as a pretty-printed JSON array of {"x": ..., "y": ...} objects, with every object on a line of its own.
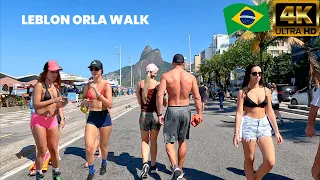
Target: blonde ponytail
[{"x": 145, "y": 89}]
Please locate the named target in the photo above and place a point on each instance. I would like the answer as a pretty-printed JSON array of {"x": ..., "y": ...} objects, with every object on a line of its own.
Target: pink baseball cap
[
  {"x": 52, "y": 65},
  {"x": 152, "y": 67}
]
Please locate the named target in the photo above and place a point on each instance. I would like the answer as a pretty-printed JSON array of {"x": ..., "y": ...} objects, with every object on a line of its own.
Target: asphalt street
[{"x": 211, "y": 154}]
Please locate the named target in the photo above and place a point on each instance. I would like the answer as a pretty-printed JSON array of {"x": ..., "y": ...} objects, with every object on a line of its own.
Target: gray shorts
[
  {"x": 176, "y": 124},
  {"x": 253, "y": 129},
  {"x": 147, "y": 122}
]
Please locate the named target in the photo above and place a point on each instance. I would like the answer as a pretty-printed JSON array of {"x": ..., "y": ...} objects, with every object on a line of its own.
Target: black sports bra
[
  {"x": 249, "y": 103},
  {"x": 47, "y": 95}
]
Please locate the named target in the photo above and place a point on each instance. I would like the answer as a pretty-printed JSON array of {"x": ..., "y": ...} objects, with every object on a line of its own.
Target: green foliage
[
  {"x": 219, "y": 67},
  {"x": 281, "y": 69}
]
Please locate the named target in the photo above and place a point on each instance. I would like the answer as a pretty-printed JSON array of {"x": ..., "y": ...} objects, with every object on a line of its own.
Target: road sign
[{"x": 293, "y": 80}]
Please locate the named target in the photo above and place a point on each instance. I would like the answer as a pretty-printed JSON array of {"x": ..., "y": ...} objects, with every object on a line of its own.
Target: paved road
[
  {"x": 17, "y": 143},
  {"x": 211, "y": 154}
]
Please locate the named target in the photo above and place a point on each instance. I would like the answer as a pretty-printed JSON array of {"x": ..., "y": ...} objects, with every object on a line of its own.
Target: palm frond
[
  {"x": 255, "y": 48},
  {"x": 295, "y": 41},
  {"x": 237, "y": 34},
  {"x": 247, "y": 35},
  {"x": 313, "y": 61}
]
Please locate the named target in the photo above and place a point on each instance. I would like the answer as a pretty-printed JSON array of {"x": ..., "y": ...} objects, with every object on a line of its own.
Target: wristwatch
[
  {"x": 98, "y": 95},
  {"x": 159, "y": 114}
]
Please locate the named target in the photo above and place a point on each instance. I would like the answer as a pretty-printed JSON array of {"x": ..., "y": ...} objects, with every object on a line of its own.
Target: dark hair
[{"x": 246, "y": 79}]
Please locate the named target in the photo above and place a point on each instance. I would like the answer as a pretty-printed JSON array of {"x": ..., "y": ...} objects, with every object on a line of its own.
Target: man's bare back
[{"x": 179, "y": 85}]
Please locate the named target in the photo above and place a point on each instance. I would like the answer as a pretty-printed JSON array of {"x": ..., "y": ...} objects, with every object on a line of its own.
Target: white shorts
[{"x": 316, "y": 98}]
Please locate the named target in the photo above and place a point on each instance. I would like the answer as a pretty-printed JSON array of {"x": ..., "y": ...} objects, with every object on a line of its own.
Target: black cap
[
  {"x": 96, "y": 63},
  {"x": 178, "y": 58}
]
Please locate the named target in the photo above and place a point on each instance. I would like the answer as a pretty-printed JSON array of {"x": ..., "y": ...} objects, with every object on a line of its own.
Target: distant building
[
  {"x": 202, "y": 56},
  {"x": 280, "y": 48},
  {"x": 196, "y": 63}
]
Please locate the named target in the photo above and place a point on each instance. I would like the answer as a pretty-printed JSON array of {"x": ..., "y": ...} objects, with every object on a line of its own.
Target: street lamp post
[
  {"x": 189, "y": 34},
  {"x": 130, "y": 60},
  {"x": 119, "y": 52}
]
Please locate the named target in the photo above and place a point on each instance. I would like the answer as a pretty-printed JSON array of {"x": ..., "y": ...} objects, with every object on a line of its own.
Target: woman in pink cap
[
  {"x": 149, "y": 126},
  {"x": 44, "y": 123}
]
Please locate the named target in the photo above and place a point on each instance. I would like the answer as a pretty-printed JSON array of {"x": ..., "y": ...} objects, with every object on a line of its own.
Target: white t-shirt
[
  {"x": 316, "y": 98},
  {"x": 275, "y": 97}
]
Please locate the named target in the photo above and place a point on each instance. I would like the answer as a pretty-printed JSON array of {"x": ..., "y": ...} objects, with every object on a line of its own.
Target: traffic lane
[
  {"x": 211, "y": 154},
  {"x": 296, "y": 144},
  {"x": 22, "y": 131}
]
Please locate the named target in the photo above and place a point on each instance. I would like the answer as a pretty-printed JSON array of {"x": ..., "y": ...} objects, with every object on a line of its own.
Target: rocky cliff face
[{"x": 148, "y": 56}]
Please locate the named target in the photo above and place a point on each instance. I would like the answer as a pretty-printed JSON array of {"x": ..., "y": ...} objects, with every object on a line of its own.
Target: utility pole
[
  {"x": 119, "y": 52},
  {"x": 189, "y": 51},
  {"x": 130, "y": 60}
]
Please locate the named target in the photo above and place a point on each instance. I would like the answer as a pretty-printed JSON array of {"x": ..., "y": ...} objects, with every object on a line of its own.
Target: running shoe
[
  {"x": 90, "y": 176},
  {"x": 145, "y": 170},
  {"x": 39, "y": 176},
  {"x": 103, "y": 169},
  {"x": 56, "y": 175},
  {"x": 176, "y": 174}
]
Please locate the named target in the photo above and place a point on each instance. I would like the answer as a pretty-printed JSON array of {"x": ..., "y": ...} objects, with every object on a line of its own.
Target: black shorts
[
  {"x": 203, "y": 99},
  {"x": 275, "y": 106},
  {"x": 99, "y": 118}
]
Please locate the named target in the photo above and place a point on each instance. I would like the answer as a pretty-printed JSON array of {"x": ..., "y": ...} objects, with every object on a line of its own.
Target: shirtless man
[{"x": 178, "y": 84}]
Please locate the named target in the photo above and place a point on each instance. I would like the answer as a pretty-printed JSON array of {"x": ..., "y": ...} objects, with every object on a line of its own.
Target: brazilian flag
[{"x": 244, "y": 17}]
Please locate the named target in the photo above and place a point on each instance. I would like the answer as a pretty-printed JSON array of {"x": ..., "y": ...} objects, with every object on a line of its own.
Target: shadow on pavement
[
  {"x": 269, "y": 176},
  {"x": 294, "y": 130},
  {"x": 198, "y": 175},
  {"x": 77, "y": 151},
  {"x": 27, "y": 152},
  {"x": 132, "y": 163}
]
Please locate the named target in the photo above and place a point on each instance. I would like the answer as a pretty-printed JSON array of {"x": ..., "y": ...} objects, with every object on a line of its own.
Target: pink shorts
[{"x": 43, "y": 121}]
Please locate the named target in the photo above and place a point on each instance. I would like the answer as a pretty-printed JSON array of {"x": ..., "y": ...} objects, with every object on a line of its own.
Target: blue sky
[{"x": 26, "y": 48}]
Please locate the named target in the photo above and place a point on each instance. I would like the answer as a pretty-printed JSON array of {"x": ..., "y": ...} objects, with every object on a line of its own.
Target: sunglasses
[
  {"x": 94, "y": 68},
  {"x": 256, "y": 73}
]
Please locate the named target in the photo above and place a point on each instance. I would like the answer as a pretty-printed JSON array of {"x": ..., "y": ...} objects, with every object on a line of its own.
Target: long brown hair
[
  {"x": 43, "y": 75},
  {"x": 146, "y": 86}
]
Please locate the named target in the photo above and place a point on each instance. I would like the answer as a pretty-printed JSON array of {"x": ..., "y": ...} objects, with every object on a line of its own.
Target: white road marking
[{"x": 26, "y": 165}]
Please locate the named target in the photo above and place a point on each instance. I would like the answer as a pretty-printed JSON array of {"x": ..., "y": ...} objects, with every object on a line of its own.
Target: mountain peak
[
  {"x": 146, "y": 50},
  {"x": 148, "y": 56}
]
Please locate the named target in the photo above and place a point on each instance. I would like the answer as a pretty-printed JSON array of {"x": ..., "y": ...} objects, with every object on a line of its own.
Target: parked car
[
  {"x": 285, "y": 91},
  {"x": 301, "y": 97},
  {"x": 234, "y": 93}
]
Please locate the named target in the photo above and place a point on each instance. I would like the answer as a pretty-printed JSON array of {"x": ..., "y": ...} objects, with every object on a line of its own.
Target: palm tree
[
  {"x": 260, "y": 41},
  {"x": 310, "y": 59}
]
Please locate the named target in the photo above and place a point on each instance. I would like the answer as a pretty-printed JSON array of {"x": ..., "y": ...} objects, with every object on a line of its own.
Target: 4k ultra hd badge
[{"x": 296, "y": 18}]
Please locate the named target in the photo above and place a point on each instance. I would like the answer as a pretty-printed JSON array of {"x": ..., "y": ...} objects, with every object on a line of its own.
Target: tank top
[
  {"x": 151, "y": 105},
  {"x": 275, "y": 97}
]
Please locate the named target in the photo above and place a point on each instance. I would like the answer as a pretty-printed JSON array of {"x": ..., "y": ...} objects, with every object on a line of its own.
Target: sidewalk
[{"x": 4, "y": 110}]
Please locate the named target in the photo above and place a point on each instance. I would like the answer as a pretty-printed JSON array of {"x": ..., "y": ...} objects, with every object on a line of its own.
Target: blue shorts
[
  {"x": 253, "y": 129},
  {"x": 99, "y": 118}
]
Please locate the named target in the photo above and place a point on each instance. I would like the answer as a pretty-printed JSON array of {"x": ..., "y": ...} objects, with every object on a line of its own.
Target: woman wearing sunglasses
[
  {"x": 44, "y": 123},
  {"x": 254, "y": 108},
  {"x": 97, "y": 95}
]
